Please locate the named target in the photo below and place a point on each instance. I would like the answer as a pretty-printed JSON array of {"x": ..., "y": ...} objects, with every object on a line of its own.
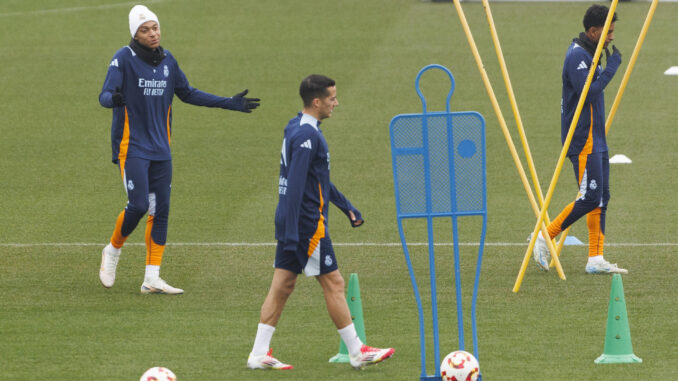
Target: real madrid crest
[{"x": 166, "y": 71}]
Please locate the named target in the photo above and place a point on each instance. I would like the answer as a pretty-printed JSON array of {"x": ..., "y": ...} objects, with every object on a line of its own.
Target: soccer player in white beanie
[
  {"x": 140, "y": 14},
  {"x": 140, "y": 85}
]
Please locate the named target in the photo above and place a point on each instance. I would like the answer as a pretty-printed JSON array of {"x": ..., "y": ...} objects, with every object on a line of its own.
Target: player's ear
[{"x": 316, "y": 102}]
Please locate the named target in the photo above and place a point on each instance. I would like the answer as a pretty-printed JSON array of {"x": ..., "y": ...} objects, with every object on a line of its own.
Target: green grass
[{"x": 58, "y": 186}]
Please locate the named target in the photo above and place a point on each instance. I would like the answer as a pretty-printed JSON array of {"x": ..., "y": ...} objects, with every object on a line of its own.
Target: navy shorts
[
  {"x": 313, "y": 257},
  {"x": 592, "y": 172}
]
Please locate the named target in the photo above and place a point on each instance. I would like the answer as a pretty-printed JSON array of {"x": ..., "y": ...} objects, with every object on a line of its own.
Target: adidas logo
[
  {"x": 582, "y": 66},
  {"x": 306, "y": 144},
  {"x": 114, "y": 63}
]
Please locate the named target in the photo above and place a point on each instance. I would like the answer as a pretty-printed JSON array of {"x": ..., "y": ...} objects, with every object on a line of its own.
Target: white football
[
  {"x": 459, "y": 366},
  {"x": 158, "y": 374}
]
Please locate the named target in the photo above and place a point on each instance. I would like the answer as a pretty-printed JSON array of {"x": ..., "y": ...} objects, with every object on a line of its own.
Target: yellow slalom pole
[
  {"x": 566, "y": 146},
  {"x": 622, "y": 88},
  {"x": 514, "y": 106},
  {"x": 502, "y": 123},
  {"x": 632, "y": 63}
]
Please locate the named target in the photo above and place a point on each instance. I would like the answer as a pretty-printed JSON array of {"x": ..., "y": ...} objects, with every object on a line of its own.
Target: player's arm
[
  {"x": 578, "y": 75},
  {"x": 341, "y": 202},
  {"x": 111, "y": 93},
  {"x": 191, "y": 95},
  {"x": 299, "y": 159}
]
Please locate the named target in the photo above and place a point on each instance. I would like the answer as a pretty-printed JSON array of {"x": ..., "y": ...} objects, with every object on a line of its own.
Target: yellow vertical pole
[
  {"x": 632, "y": 63},
  {"x": 514, "y": 106},
  {"x": 566, "y": 146},
  {"x": 622, "y": 88},
  {"x": 507, "y": 135}
]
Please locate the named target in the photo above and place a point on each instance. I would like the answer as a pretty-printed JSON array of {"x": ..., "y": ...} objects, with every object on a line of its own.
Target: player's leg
[
  {"x": 332, "y": 283},
  {"x": 287, "y": 268},
  {"x": 282, "y": 287},
  {"x": 159, "y": 187},
  {"x": 572, "y": 212},
  {"x": 588, "y": 174},
  {"x": 135, "y": 179},
  {"x": 595, "y": 220}
]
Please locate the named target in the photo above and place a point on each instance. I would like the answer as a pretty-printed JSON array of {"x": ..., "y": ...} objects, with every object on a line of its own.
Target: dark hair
[
  {"x": 596, "y": 16},
  {"x": 314, "y": 86}
]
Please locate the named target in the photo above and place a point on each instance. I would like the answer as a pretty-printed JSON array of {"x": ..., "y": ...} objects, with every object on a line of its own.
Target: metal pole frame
[{"x": 429, "y": 215}]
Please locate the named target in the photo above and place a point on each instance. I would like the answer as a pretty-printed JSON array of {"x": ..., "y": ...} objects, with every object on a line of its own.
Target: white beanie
[{"x": 139, "y": 15}]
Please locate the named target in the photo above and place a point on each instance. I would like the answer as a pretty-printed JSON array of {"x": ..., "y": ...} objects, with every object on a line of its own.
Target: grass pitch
[{"x": 60, "y": 194}]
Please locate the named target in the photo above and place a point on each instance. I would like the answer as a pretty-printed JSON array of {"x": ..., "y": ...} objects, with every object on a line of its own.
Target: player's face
[
  {"x": 328, "y": 103},
  {"x": 598, "y": 31},
  {"x": 148, "y": 34},
  {"x": 610, "y": 35}
]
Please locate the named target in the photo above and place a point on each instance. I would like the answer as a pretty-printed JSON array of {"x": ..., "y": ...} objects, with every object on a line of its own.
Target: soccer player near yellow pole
[
  {"x": 620, "y": 93},
  {"x": 615, "y": 59},
  {"x": 502, "y": 124}
]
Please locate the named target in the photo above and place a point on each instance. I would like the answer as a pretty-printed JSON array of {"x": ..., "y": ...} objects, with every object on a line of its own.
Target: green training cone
[
  {"x": 355, "y": 306},
  {"x": 618, "y": 347}
]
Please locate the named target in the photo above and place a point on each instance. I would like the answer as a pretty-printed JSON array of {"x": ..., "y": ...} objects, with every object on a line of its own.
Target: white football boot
[
  {"x": 109, "y": 262},
  {"x": 540, "y": 253},
  {"x": 266, "y": 361},
  {"x": 159, "y": 286},
  {"x": 604, "y": 267},
  {"x": 369, "y": 355}
]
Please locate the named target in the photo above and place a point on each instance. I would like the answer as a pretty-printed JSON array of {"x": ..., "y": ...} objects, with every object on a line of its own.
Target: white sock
[
  {"x": 112, "y": 249},
  {"x": 152, "y": 272},
  {"x": 595, "y": 260},
  {"x": 262, "y": 342},
  {"x": 351, "y": 339}
]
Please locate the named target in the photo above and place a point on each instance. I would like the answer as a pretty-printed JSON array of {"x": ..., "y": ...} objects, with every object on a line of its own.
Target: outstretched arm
[{"x": 191, "y": 95}]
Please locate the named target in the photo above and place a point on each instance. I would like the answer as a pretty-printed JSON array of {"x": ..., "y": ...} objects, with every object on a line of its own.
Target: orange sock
[
  {"x": 596, "y": 236},
  {"x": 556, "y": 225},
  {"x": 153, "y": 250},
  {"x": 117, "y": 239}
]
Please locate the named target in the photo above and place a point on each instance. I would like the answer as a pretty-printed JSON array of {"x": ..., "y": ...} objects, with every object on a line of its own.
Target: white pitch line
[
  {"x": 76, "y": 9},
  {"x": 271, "y": 244}
]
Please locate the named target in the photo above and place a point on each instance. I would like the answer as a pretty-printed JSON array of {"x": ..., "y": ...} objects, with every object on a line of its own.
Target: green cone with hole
[{"x": 618, "y": 348}]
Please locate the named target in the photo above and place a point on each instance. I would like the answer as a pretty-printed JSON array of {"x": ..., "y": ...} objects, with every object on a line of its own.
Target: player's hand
[
  {"x": 240, "y": 103},
  {"x": 614, "y": 59},
  {"x": 117, "y": 98},
  {"x": 616, "y": 51},
  {"x": 355, "y": 222}
]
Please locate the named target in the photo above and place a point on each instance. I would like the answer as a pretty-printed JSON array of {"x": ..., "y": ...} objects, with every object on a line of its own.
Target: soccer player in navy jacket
[
  {"x": 301, "y": 220},
  {"x": 588, "y": 150},
  {"x": 141, "y": 82}
]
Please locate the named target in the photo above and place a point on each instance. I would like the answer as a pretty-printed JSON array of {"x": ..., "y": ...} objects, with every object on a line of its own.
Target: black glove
[
  {"x": 117, "y": 98},
  {"x": 239, "y": 103},
  {"x": 613, "y": 59},
  {"x": 616, "y": 51}
]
